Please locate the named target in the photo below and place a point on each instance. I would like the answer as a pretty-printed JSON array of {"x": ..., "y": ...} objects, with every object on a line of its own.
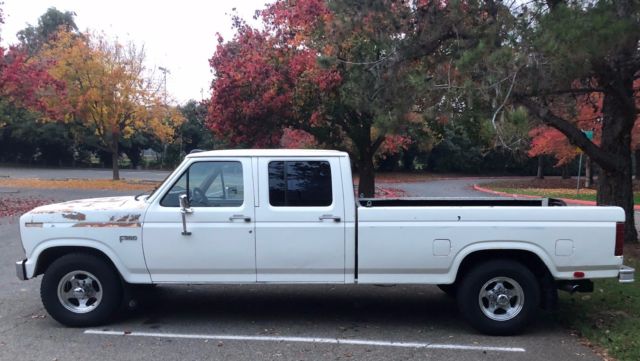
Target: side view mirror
[
  {"x": 184, "y": 202},
  {"x": 185, "y": 208}
]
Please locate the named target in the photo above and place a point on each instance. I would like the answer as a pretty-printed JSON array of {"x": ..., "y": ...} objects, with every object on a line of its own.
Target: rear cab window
[{"x": 300, "y": 183}]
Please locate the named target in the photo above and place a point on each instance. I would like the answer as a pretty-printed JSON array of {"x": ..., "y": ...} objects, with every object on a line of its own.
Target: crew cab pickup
[{"x": 291, "y": 216}]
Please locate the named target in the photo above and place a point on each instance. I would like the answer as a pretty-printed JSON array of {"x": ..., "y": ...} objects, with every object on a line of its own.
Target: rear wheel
[
  {"x": 81, "y": 290},
  {"x": 499, "y": 297}
]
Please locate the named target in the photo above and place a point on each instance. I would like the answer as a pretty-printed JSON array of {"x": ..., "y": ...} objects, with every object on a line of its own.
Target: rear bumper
[
  {"x": 626, "y": 274},
  {"x": 21, "y": 271}
]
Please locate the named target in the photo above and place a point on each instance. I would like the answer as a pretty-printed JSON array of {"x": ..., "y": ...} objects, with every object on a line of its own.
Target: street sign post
[{"x": 589, "y": 135}]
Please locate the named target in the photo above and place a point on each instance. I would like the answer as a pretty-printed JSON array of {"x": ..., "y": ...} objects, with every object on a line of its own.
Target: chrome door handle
[
  {"x": 240, "y": 216},
  {"x": 328, "y": 216}
]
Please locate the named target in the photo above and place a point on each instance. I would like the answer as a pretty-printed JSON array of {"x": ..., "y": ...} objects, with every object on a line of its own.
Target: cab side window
[
  {"x": 208, "y": 184},
  {"x": 300, "y": 184}
]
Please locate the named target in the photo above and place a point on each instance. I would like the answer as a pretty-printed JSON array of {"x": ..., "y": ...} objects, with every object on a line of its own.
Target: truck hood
[{"x": 94, "y": 212}]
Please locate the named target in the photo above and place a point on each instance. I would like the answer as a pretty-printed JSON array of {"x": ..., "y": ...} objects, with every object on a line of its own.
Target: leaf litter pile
[
  {"x": 99, "y": 184},
  {"x": 16, "y": 206}
]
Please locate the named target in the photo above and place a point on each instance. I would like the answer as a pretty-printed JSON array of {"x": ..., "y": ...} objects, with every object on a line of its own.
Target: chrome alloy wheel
[
  {"x": 501, "y": 298},
  {"x": 79, "y": 291}
]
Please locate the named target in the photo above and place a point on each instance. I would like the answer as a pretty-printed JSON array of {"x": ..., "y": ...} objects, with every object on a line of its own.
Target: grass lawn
[
  {"x": 609, "y": 318},
  {"x": 553, "y": 187},
  {"x": 584, "y": 194}
]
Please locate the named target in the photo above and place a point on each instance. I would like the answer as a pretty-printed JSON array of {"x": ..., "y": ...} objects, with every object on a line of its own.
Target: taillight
[{"x": 619, "y": 239}]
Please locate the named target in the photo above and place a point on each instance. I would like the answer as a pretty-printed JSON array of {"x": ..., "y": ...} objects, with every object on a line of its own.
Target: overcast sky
[{"x": 178, "y": 35}]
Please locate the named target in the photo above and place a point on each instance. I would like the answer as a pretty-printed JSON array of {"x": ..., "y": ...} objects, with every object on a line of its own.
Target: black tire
[
  {"x": 451, "y": 289},
  {"x": 471, "y": 305},
  {"x": 108, "y": 279}
]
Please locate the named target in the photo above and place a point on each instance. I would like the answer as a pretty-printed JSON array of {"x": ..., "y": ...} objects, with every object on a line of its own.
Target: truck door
[
  {"x": 300, "y": 231},
  {"x": 219, "y": 242}
]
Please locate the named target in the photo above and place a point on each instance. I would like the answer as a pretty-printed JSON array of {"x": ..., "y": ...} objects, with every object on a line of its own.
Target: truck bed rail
[{"x": 460, "y": 202}]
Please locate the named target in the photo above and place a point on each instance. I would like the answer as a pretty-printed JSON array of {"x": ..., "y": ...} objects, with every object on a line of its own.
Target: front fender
[{"x": 130, "y": 271}]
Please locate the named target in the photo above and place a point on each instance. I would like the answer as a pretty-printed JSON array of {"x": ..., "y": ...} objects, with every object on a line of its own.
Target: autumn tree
[
  {"x": 26, "y": 85},
  {"x": 24, "y": 138},
  {"x": 349, "y": 73},
  {"x": 109, "y": 90},
  {"x": 584, "y": 47}
]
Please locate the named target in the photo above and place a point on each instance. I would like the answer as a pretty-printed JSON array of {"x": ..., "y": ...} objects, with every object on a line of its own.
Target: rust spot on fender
[
  {"x": 76, "y": 216},
  {"x": 126, "y": 218},
  {"x": 108, "y": 224}
]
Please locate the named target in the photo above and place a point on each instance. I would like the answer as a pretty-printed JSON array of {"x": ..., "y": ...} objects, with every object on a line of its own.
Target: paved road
[
  {"x": 450, "y": 187},
  {"x": 184, "y": 321},
  {"x": 436, "y": 188},
  {"x": 58, "y": 173}
]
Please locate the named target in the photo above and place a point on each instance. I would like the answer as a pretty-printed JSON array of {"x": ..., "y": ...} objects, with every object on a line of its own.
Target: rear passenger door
[{"x": 300, "y": 232}]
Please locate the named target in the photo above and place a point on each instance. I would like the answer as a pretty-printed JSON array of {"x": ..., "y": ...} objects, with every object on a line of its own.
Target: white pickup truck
[{"x": 290, "y": 216}]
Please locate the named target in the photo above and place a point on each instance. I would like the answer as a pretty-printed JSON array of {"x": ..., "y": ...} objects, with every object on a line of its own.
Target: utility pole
[{"x": 164, "y": 71}]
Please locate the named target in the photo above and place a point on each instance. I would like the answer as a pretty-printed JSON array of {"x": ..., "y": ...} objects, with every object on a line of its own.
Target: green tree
[
  {"x": 587, "y": 47},
  {"x": 33, "y": 38}
]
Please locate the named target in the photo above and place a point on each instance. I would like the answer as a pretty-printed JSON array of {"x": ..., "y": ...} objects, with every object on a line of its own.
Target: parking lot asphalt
[
  {"x": 251, "y": 322},
  {"x": 76, "y": 173}
]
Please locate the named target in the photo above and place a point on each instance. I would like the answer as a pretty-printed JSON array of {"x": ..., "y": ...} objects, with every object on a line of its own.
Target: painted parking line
[{"x": 335, "y": 341}]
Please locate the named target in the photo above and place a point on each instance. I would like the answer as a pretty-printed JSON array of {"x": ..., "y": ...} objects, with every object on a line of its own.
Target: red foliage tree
[
  {"x": 333, "y": 69},
  {"x": 261, "y": 87},
  {"x": 587, "y": 115},
  {"x": 25, "y": 82}
]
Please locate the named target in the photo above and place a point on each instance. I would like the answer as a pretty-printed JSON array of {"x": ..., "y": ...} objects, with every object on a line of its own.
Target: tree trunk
[
  {"x": 615, "y": 184},
  {"x": 540, "y": 173},
  {"x": 588, "y": 172},
  {"x": 615, "y": 189},
  {"x": 637, "y": 156},
  {"x": 565, "y": 172},
  {"x": 366, "y": 184},
  {"x": 114, "y": 159}
]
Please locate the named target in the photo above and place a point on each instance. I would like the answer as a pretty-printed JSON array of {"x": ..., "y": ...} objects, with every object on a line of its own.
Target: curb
[{"x": 566, "y": 200}]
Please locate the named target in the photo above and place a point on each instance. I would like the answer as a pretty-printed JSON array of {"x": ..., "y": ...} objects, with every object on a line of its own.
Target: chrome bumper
[
  {"x": 626, "y": 274},
  {"x": 21, "y": 272}
]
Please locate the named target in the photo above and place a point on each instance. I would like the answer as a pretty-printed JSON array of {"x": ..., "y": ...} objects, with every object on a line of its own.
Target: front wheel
[
  {"x": 81, "y": 290},
  {"x": 499, "y": 297}
]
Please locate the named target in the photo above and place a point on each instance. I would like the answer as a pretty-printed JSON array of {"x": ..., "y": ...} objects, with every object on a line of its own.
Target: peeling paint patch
[
  {"x": 77, "y": 216},
  {"x": 125, "y": 218},
  {"x": 108, "y": 224}
]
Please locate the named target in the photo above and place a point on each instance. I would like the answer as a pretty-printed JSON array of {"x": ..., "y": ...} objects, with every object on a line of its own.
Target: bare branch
[{"x": 504, "y": 102}]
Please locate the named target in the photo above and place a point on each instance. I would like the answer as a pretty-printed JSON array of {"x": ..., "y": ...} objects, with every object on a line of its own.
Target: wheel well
[
  {"x": 529, "y": 259},
  {"x": 51, "y": 254}
]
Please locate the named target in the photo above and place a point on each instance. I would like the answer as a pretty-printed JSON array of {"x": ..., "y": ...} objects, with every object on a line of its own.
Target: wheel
[
  {"x": 451, "y": 289},
  {"x": 499, "y": 297},
  {"x": 81, "y": 290}
]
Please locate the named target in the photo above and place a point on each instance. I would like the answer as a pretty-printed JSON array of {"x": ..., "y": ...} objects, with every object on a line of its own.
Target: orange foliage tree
[
  {"x": 109, "y": 90},
  {"x": 586, "y": 114}
]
